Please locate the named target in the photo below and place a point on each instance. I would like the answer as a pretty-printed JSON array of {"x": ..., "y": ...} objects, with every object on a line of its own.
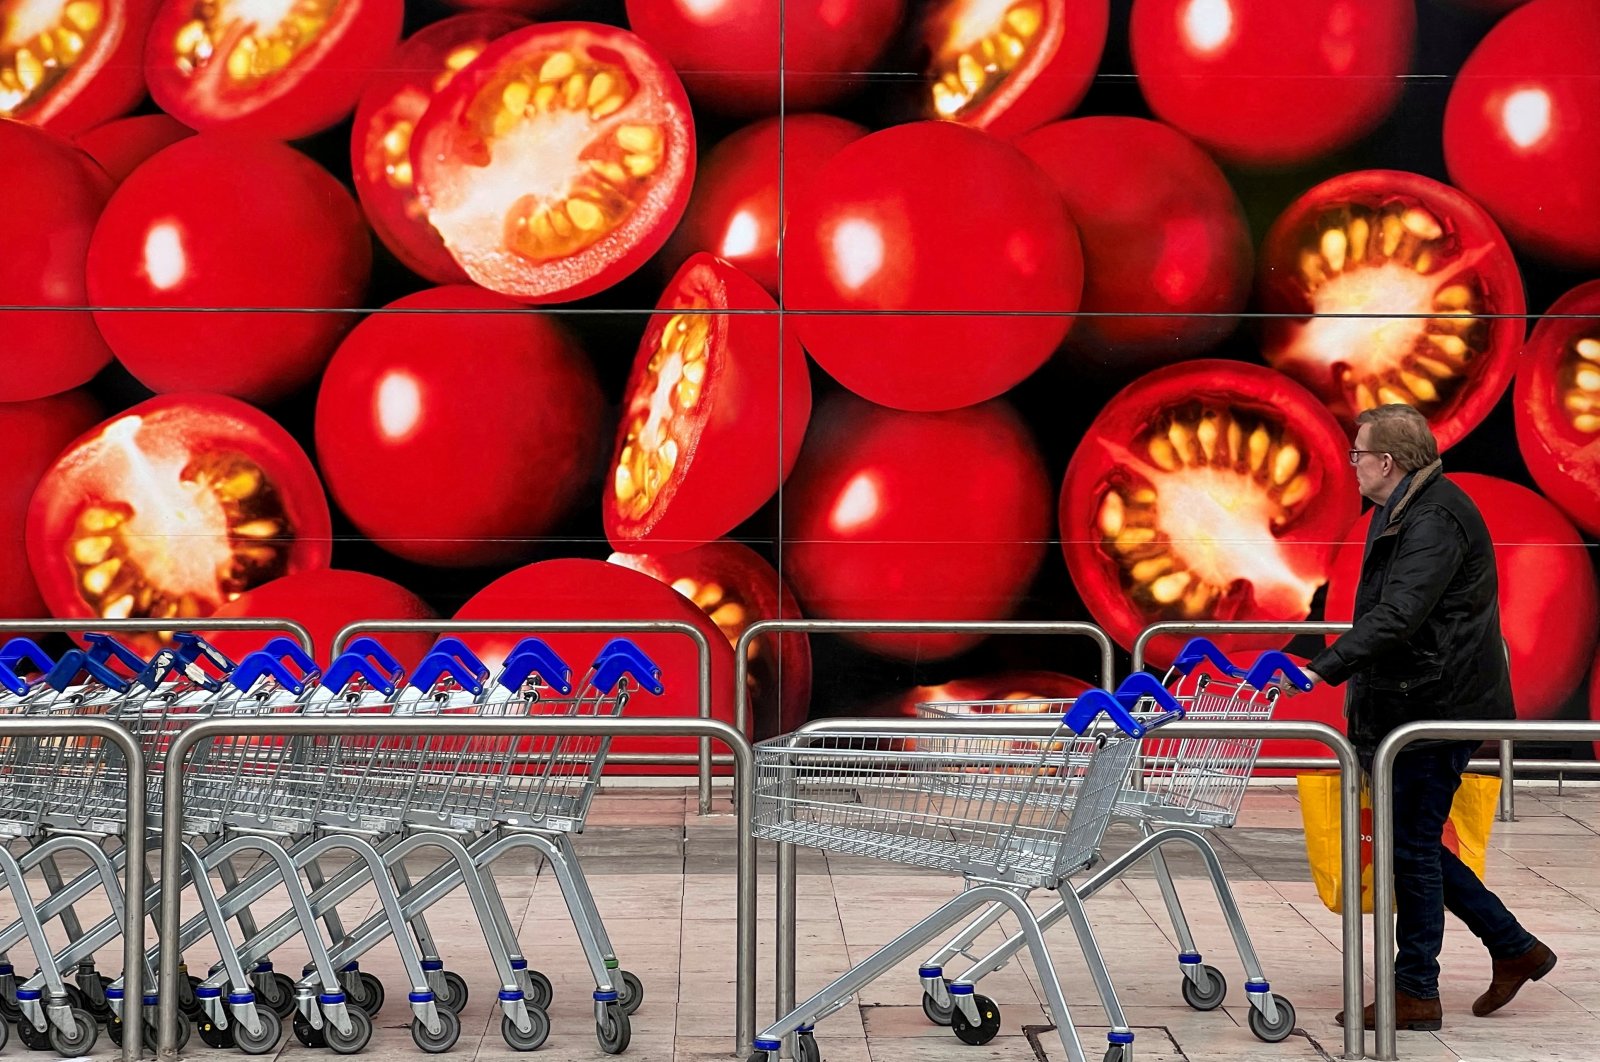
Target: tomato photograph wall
[{"x": 724, "y": 311}]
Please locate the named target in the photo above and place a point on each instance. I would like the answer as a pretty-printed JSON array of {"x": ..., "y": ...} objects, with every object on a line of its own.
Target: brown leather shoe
[
  {"x": 1511, "y": 974},
  {"x": 1410, "y": 1013}
]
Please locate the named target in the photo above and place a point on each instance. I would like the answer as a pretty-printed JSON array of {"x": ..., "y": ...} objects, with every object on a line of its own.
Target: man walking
[{"x": 1426, "y": 644}]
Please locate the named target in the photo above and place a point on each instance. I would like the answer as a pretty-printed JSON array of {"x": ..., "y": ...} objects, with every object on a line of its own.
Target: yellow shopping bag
[{"x": 1466, "y": 833}]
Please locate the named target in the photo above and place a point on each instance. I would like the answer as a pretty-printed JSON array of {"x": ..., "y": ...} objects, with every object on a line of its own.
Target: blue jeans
[{"x": 1429, "y": 878}]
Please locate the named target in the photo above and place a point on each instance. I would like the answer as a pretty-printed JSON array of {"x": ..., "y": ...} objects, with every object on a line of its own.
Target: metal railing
[
  {"x": 1383, "y": 931},
  {"x": 703, "y": 759},
  {"x": 1506, "y": 764},
  {"x": 178, "y": 753},
  {"x": 150, "y": 626},
  {"x": 1042, "y": 727}
]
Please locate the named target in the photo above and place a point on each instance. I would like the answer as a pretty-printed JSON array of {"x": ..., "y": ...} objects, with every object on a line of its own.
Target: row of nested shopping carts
[{"x": 318, "y": 818}]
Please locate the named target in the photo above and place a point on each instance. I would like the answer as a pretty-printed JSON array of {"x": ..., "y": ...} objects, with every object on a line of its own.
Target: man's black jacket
[{"x": 1426, "y": 642}]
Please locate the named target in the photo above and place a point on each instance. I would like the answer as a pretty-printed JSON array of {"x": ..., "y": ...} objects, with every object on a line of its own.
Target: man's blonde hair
[{"x": 1403, "y": 433}]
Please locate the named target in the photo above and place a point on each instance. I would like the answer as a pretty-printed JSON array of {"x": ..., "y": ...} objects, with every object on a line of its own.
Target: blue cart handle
[
  {"x": 533, "y": 656},
  {"x": 379, "y": 654},
  {"x": 1269, "y": 665},
  {"x": 436, "y": 664},
  {"x": 75, "y": 662},
  {"x": 102, "y": 647},
  {"x": 15, "y": 652},
  {"x": 169, "y": 660},
  {"x": 452, "y": 646},
  {"x": 270, "y": 660},
  {"x": 354, "y": 662},
  {"x": 192, "y": 648},
  {"x": 1198, "y": 650},
  {"x": 621, "y": 657},
  {"x": 1119, "y": 706}
]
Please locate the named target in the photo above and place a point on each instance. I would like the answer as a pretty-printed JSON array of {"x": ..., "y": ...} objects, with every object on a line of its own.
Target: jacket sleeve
[{"x": 1430, "y": 552}]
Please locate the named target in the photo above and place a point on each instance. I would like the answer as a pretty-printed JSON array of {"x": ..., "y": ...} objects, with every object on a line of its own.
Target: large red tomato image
[
  {"x": 497, "y": 409},
  {"x": 122, "y": 146},
  {"x": 72, "y": 64},
  {"x": 324, "y": 602},
  {"x": 1268, "y": 83},
  {"x": 700, "y": 447},
  {"x": 1377, "y": 242},
  {"x": 173, "y": 509},
  {"x": 921, "y": 217},
  {"x": 1023, "y": 693},
  {"x": 380, "y": 144},
  {"x": 734, "y": 213},
  {"x": 1209, "y": 490},
  {"x": 558, "y": 161},
  {"x": 1163, "y": 234},
  {"x": 1519, "y": 130},
  {"x": 53, "y": 194},
  {"x": 1558, "y": 405},
  {"x": 573, "y": 589},
  {"x": 737, "y": 588},
  {"x": 32, "y": 434},
  {"x": 283, "y": 71},
  {"x": 1544, "y": 571},
  {"x": 1007, "y": 67},
  {"x": 728, "y": 51},
  {"x": 171, "y": 240},
  {"x": 906, "y": 516}
]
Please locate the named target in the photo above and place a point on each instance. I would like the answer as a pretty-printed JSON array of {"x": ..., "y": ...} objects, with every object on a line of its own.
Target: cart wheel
[
  {"x": 307, "y": 1035},
  {"x": 212, "y": 1036},
  {"x": 615, "y": 1031},
  {"x": 454, "y": 996},
  {"x": 935, "y": 1013},
  {"x": 538, "y": 990},
  {"x": 354, "y": 1041},
  {"x": 113, "y": 1030},
  {"x": 632, "y": 993},
  {"x": 534, "y": 1038},
  {"x": 151, "y": 1035},
  {"x": 9, "y": 1011},
  {"x": 436, "y": 1043},
  {"x": 806, "y": 1049},
  {"x": 1115, "y": 1053},
  {"x": 1272, "y": 1032},
  {"x": 33, "y": 1039},
  {"x": 759, "y": 1056},
  {"x": 5, "y": 1034},
  {"x": 78, "y": 1042},
  {"x": 988, "y": 1025},
  {"x": 276, "y": 991},
  {"x": 365, "y": 991},
  {"x": 1207, "y": 995},
  {"x": 186, "y": 998},
  {"x": 264, "y": 1042}
]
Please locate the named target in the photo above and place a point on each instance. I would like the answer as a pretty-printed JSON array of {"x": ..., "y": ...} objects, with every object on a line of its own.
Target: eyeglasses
[{"x": 1355, "y": 455}]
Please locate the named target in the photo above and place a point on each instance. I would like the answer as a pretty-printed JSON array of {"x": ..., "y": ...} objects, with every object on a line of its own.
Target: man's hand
[{"x": 1291, "y": 690}]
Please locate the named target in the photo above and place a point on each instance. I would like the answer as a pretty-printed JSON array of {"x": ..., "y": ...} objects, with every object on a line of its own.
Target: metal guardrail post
[
  {"x": 183, "y": 745},
  {"x": 1037, "y": 727},
  {"x": 1383, "y": 932},
  {"x": 787, "y": 870},
  {"x": 148, "y": 626},
  {"x": 12, "y": 727},
  {"x": 702, "y": 759}
]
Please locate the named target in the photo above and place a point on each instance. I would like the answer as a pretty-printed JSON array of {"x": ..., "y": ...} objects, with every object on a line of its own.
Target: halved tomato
[
  {"x": 1024, "y": 693},
  {"x": 700, "y": 447},
  {"x": 380, "y": 144},
  {"x": 31, "y": 435},
  {"x": 1385, "y": 242},
  {"x": 737, "y": 588},
  {"x": 1558, "y": 405},
  {"x": 71, "y": 64},
  {"x": 120, "y": 147},
  {"x": 173, "y": 508},
  {"x": 558, "y": 161},
  {"x": 283, "y": 70},
  {"x": 1009, "y": 66}
]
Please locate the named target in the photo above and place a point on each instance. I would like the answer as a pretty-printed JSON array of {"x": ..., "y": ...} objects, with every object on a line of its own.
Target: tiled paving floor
[{"x": 664, "y": 878}]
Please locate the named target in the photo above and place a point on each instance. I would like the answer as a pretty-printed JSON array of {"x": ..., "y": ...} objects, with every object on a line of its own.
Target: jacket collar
[{"x": 1421, "y": 478}]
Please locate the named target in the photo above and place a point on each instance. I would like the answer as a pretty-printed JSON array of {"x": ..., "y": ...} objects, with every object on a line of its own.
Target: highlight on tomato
[
  {"x": 68, "y": 65},
  {"x": 915, "y": 516},
  {"x": 1557, "y": 402},
  {"x": 283, "y": 71},
  {"x": 1024, "y": 692},
  {"x": 713, "y": 415},
  {"x": 1207, "y": 490},
  {"x": 172, "y": 509},
  {"x": 558, "y": 161},
  {"x": 737, "y": 588},
  {"x": 931, "y": 216},
  {"x": 1382, "y": 241},
  {"x": 460, "y": 391},
  {"x": 324, "y": 602},
  {"x": 1544, "y": 572}
]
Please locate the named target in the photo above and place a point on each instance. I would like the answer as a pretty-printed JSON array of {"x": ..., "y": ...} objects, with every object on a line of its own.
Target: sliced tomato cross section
[
  {"x": 558, "y": 161},
  {"x": 1558, "y": 405},
  {"x": 71, "y": 64}
]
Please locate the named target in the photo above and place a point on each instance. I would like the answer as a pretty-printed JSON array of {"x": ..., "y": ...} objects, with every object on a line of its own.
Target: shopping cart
[
  {"x": 1182, "y": 786},
  {"x": 1008, "y": 813}
]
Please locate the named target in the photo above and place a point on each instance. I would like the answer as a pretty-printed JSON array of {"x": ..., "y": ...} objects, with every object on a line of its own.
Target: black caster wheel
[
  {"x": 33, "y": 1039},
  {"x": 187, "y": 1003},
  {"x": 534, "y": 1038},
  {"x": 276, "y": 991},
  {"x": 441, "y": 1041},
  {"x": 212, "y": 1036},
  {"x": 307, "y": 1035},
  {"x": 760, "y": 1056},
  {"x": 263, "y": 1042},
  {"x": 631, "y": 993},
  {"x": 1115, "y": 1053},
  {"x": 5, "y": 1034},
  {"x": 538, "y": 991},
  {"x": 806, "y": 1049},
  {"x": 934, "y": 1012},
  {"x": 365, "y": 991},
  {"x": 80, "y": 1040},
  {"x": 9, "y": 1011},
  {"x": 1207, "y": 995},
  {"x": 1273, "y": 1032},
  {"x": 988, "y": 1026},
  {"x": 453, "y": 996},
  {"x": 356, "y": 1040},
  {"x": 614, "y": 1031}
]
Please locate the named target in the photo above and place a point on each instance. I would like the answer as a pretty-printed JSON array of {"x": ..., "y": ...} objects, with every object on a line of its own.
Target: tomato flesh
[
  {"x": 1558, "y": 405},
  {"x": 557, "y": 162},
  {"x": 71, "y": 64},
  {"x": 1377, "y": 242}
]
